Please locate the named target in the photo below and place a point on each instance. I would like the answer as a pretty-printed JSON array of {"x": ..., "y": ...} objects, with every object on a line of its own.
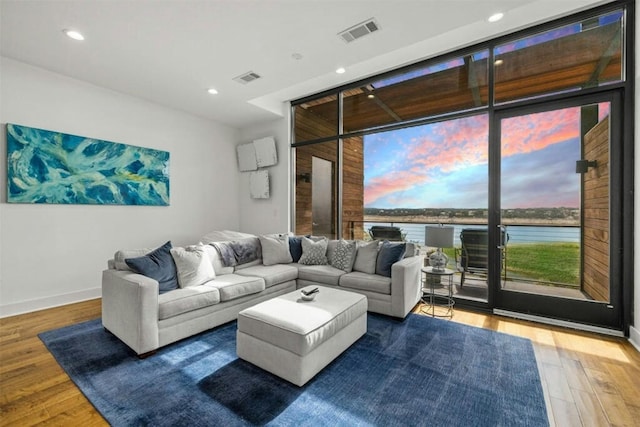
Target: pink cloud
[
  {"x": 392, "y": 182},
  {"x": 456, "y": 144},
  {"x": 533, "y": 132}
]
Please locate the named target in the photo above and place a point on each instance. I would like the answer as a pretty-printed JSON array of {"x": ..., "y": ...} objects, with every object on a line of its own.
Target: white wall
[
  {"x": 262, "y": 216},
  {"x": 54, "y": 254}
]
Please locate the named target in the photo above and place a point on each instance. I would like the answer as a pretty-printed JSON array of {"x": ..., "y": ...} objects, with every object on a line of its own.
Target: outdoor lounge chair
[
  {"x": 385, "y": 232},
  {"x": 472, "y": 258}
]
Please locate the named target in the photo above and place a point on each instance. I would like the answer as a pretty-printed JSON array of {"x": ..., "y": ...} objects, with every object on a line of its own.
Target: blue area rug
[{"x": 421, "y": 371}]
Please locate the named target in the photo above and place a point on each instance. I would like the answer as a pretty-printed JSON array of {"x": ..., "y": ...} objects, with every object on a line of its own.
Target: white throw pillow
[
  {"x": 313, "y": 253},
  {"x": 216, "y": 260},
  {"x": 193, "y": 266},
  {"x": 366, "y": 257},
  {"x": 275, "y": 250}
]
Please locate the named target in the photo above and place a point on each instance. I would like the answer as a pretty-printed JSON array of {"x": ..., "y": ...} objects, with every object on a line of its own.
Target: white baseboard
[
  {"x": 7, "y": 310},
  {"x": 556, "y": 322},
  {"x": 634, "y": 337}
]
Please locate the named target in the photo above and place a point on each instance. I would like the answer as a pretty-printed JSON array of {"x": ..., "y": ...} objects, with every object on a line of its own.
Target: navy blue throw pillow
[
  {"x": 158, "y": 265},
  {"x": 295, "y": 248},
  {"x": 389, "y": 254}
]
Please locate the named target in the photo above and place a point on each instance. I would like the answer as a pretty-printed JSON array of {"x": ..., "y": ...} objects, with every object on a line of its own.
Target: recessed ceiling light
[
  {"x": 212, "y": 91},
  {"x": 371, "y": 96},
  {"x": 341, "y": 70},
  {"x": 496, "y": 17},
  {"x": 73, "y": 34},
  {"x": 499, "y": 62}
]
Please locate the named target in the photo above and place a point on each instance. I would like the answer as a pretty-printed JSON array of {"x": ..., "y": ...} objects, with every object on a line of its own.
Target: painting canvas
[
  {"x": 247, "y": 157},
  {"x": 259, "y": 185},
  {"x": 265, "y": 151},
  {"x": 52, "y": 167}
]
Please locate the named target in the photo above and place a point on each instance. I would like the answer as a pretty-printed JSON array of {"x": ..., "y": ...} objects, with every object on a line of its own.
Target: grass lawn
[
  {"x": 558, "y": 263},
  {"x": 552, "y": 262}
]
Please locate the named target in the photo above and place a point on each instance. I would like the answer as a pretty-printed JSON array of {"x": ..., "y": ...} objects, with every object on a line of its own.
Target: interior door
[
  {"x": 557, "y": 207},
  {"x": 322, "y": 197}
]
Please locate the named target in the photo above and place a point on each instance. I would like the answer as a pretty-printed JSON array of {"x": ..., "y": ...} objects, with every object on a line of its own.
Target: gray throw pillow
[
  {"x": 366, "y": 257},
  {"x": 313, "y": 253},
  {"x": 275, "y": 250},
  {"x": 344, "y": 255}
]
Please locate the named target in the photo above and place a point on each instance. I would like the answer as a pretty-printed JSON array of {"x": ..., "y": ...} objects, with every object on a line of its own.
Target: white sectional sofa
[{"x": 145, "y": 320}]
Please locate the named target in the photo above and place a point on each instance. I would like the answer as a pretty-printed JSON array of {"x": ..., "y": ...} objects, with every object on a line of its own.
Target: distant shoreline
[{"x": 423, "y": 219}]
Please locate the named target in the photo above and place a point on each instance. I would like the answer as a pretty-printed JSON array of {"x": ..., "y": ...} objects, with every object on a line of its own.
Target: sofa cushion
[
  {"x": 320, "y": 273},
  {"x": 187, "y": 299},
  {"x": 366, "y": 257},
  {"x": 232, "y": 286},
  {"x": 157, "y": 265},
  {"x": 123, "y": 254},
  {"x": 193, "y": 266},
  {"x": 389, "y": 254},
  {"x": 313, "y": 253},
  {"x": 272, "y": 274},
  {"x": 343, "y": 255},
  {"x": 366, "y": 282},
  {"x": 224, "y": 235},
  {"x": 248, "y": 264},
  {"x": 275, "y": 250}
]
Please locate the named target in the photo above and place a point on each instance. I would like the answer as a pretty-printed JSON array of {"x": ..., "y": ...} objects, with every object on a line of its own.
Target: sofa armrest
[
  {"x": 130, "y": 309},
  {"x": 406, "y": 289}
]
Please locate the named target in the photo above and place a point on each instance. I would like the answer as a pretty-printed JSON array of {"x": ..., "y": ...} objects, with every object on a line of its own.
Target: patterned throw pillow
[
  {"x": 313, "y": 253},
  {"x": 344, "y": 255}
]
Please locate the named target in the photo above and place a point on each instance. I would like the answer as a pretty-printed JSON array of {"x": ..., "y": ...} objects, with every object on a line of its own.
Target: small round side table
[{"x": 433, "y": 300}]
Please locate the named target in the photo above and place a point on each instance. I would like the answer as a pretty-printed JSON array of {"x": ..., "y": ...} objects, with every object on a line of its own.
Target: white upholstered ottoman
[{"x": 296, "y": 339}]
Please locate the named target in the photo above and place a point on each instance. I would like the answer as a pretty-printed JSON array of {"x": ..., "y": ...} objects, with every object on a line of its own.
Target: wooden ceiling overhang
[{"x": 586, "y": 59}]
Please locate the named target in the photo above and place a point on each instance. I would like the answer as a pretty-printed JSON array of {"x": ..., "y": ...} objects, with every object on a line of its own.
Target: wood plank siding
[
  {"x": 310, "y": 126},
  {"x": 595, "y": 229}
]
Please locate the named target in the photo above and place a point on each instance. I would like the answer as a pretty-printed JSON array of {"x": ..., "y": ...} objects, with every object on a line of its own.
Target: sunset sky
[{"x": 445, "y": 165}]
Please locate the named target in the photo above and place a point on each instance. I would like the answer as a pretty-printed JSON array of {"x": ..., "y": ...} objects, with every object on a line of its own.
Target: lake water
[{"x": 517, "y": 233}]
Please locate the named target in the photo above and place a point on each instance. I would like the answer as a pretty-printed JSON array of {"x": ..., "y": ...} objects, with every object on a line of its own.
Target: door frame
[{"x": 606, "y": 315}]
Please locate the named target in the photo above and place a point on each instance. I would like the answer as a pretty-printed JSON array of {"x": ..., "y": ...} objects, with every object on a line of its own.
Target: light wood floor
[{"x": 588, "y": 379}]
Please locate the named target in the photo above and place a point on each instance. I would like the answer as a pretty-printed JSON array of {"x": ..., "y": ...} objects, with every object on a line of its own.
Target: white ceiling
[{"x": 171, "y": 52}]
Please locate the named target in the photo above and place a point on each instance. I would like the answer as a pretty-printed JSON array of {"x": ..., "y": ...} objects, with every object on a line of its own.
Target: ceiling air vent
[
  {"x": 360, "y": 30},
  {"x": 246, "y": 77}
]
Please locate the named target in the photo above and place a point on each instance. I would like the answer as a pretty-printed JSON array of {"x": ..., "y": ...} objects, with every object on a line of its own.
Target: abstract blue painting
[{"x": 53, "y": 167}]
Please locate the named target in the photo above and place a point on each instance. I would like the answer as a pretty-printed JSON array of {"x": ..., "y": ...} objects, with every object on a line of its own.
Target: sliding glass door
[{"x": 556, "y": 231}]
